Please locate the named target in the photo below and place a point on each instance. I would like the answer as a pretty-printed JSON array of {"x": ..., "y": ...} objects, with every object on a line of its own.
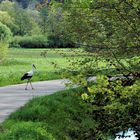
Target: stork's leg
[
  {"x": 31, "y": 85},
  {"x": 27, "y": 85}
]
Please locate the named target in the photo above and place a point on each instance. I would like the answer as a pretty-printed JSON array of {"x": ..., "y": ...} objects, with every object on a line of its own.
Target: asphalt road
[{"x": 14, "y": 96}]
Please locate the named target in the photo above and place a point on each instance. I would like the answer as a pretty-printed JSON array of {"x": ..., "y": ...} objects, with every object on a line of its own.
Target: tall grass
[
  {"x": 3, "y": 51},
  {"x": 49, "y": 63},
  {"x": 63, "y": 116},
  {"x": 20, "y": 60}
]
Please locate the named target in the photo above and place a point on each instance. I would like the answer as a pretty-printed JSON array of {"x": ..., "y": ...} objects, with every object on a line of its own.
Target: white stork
[{"x": 27, "y": 76}]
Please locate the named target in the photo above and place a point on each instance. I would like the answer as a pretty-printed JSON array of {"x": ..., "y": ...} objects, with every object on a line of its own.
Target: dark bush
[
  {"x": 56, "y": 42},
  {"x": 40, "y": 41}
]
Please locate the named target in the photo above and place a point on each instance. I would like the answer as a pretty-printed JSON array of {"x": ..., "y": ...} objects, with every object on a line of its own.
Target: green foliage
[
  {"x": 53, "y": 25},
  {"x": 112, "y": 102},
  {"x": 63, "y": 115},
  {"x": 56, "y": 42},
  {"x": 115, "y": 106},
  {"x": 25, "y": 130},
  {"x": 35, "y": 41},
  {"x": 22, "y": 17},
  {"x": 24, "y": 22},
  {"x": 39, "y": 41},
  {"x": 44, "y": 18},
  {"x": 5, "y": 33},
  {"x": 110, "y": 24},
  {"x": 111, "y": 29},
  {"x": 6, "y": 19},
  {"x": 5, "y": 36}
]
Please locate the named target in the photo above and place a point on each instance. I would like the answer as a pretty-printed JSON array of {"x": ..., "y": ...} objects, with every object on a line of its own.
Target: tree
[
  {"x": 6, "y": 19},
  {"x": 111, "y": 27},
  {"x": 112, "y": 23},
  {"x": 5, "y": 36},
  {"x": 20, "y": 18},
  {"x": 52, "y": 25},
  {"x": 44, "y": 16}
]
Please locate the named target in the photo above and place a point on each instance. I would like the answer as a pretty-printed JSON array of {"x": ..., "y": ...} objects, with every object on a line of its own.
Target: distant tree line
[{"x": 25, "y": 19}]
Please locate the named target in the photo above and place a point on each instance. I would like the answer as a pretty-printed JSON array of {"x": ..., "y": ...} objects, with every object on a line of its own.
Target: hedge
[{"x": 40, "y": 41}]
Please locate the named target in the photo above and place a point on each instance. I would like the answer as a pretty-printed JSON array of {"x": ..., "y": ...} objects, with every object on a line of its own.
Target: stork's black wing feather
[{"x": 26, "y": 76}]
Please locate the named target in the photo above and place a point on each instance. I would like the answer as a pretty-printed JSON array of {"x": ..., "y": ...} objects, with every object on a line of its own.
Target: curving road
[{"x": 14, "y": 96}]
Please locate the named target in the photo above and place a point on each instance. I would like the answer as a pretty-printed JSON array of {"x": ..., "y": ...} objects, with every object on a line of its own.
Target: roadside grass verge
[{"x": 61, "y": 116}]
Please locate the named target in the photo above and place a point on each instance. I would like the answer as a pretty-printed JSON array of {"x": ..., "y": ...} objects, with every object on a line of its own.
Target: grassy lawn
[
  {"x": 19, "y": 61},
  {"x": 61, "y": 116}
]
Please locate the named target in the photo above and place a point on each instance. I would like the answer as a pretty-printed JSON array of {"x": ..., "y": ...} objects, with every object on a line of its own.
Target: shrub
[
  {"x": 40, "y": 41},
  {"x": 57, "y": 42},
  {"x": 25, "y": 131},
  {"x": 115, "y": 104},
  {"x": 5, "y": 36}
]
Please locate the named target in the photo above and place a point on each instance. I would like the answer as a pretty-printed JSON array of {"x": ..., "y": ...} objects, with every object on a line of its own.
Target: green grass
[
  {"x": 61, "y": 116},
  {"x": 19, "y": 61}
]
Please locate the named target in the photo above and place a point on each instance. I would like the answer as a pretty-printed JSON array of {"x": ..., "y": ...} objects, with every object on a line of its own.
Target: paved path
[{"x": 15, "y": 96}]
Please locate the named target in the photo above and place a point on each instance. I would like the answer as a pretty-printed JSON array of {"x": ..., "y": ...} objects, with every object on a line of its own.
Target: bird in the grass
[{"x": 27, "y": 76}]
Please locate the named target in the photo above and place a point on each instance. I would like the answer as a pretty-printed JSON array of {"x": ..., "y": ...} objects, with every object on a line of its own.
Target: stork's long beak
[{"x": 34, "y": 66}]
